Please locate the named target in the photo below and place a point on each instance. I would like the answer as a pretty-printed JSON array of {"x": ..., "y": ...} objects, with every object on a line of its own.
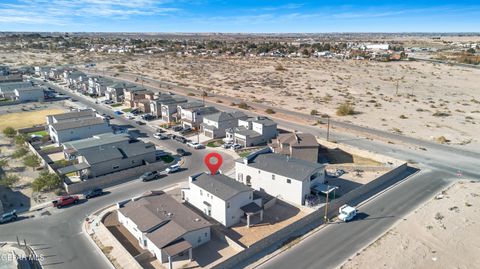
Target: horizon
[{"x": 254, "y": 17}]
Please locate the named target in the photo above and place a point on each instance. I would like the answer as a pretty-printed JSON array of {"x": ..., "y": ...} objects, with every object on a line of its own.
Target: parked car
[
  {"x": 65, "y": 200},
  {"x": 177, "y": 128},
  {"x": 227, "y": 145},
  {"x": 8, "y": 217},
  {"x": 186, "y": 131},
  {"x": 236, "y": 146},
  {"x": 93, "y": 193},
  {"x": 150, "y": 176},
  {"x": 148, "y": 117},
  {"x": 180, "y": 139},
  {"x": 118, "y": 113},
  {"x": 160, "y": 130},
  {"x": 139, "y": 122},
  {"x": 181, "y": 152},
  {"x": 172, "y": 169},
  {"x": 195, "y": 145}
]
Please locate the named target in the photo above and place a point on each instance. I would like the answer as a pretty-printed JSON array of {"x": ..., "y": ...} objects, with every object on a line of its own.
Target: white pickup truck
[{"x": 347, "y": 213}]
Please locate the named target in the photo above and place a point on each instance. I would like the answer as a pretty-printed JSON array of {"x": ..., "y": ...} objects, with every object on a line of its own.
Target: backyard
[{"x": 26, "y": 119}]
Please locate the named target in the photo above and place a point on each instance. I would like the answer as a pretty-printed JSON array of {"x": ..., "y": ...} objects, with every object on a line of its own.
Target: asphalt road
[{"x": 59, "y": 237}]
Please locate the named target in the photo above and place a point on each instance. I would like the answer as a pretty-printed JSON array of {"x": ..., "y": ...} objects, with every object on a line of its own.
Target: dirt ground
[
  {"x": 443, "y": 233},
  {"x": 26, "y": 119}
]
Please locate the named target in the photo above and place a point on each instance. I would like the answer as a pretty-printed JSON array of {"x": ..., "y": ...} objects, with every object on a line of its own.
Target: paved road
[{"x": 59, "y": 236}]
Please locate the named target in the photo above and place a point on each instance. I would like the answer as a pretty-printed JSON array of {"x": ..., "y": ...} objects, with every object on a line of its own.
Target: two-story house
[
  {"x": 193, "y": 117},
  {"x": 285, "y": 177},
  {"x": 222, "y": 198},
  {"x": 132, "y": 95},
  {"x": 169, "y": 108},
  {"x": 215, "y": 125},
  {"x": 252, "y": 131},
  {"x": 298, "y": 145}
]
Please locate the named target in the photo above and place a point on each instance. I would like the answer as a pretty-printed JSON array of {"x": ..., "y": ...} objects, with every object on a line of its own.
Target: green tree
[
  {"x": 9, "y": 132},
  {"x": 20, "y": 139},
  {"x": 3, "y": 163},
  {"x": 31, "y": 160},
  {"x": 9, "y": 180},
  {"x": 46, "y": 181},
  {"x": 19, "y": 153}
]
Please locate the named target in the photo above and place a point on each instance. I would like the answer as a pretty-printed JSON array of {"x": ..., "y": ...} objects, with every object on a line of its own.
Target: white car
[
  {"x": 236, "y": 146},
  {"x": 195, "y": 145},
  {"x": 158, "y": 135},
  {"x": 227, "y": 145},
  {"x": 172, "y": 169}
]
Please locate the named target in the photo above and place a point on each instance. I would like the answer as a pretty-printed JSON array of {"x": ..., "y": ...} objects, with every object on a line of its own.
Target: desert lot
[
  {"x": 443, "y": 233},
  {"x": 437, "y": 102}
]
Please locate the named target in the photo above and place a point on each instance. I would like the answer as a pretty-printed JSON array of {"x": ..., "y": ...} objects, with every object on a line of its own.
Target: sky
[{"x": 241, "y": 16}]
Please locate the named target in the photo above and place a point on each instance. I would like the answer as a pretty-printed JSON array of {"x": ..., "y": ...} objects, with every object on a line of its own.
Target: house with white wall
[
  {"x": 169, "y": 108},
  {"x": 31, "y": 94},
  {"x": 222, "y": 198},
  {"x": 65, "y": 131},
  {"x": 163, "y": 226},
  {"x": 215, "y": 125},
  {"x": 284, "y": 177},
  {"x": 252, "y": 131},
  {"x": 193, "y": 117}
]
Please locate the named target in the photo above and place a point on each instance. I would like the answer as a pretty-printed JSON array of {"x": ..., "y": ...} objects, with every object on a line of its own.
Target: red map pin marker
[{"x": 213, "y": 167}]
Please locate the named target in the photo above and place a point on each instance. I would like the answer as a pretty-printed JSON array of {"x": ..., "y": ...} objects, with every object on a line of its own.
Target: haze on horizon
[{"x": 238, "y": 16}]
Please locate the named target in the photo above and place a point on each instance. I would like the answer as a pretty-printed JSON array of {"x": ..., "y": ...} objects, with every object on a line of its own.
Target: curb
[{"x": 94, "y": 243}]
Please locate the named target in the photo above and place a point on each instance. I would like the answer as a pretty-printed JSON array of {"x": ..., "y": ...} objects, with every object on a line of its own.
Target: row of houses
[
  {"x": 168, "y": 227},
  {"x": 15, "y": 89}
]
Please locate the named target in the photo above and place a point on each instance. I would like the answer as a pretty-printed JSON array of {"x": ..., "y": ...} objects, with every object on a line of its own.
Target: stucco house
[
  {"x": 193, "y": 117},
  {"x": 252, "y": 131},
  {"x": 7, "y": 89},
  {"x": 285, "y": 177},
  {"x": 215, "y": 125},
  {"x": 31, "y": 94},
  {"x": 169, "y": 108},
  {"x": 298, "y": 145},
  {"x": 222, "y": 198},
  {"x": 163, "y": 226},
  {"x": 65, "y": 131}
]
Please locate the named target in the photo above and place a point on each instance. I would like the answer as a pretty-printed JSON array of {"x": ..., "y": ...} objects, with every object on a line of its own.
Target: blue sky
[{"x": 239, "y": 16}]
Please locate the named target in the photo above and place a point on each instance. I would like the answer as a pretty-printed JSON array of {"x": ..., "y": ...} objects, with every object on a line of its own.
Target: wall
[
  {"x": 114, "y": 178},
  {"x": 314, "y": 219},
  {"x": 32, "y": 129},
  {"x": 193, "y": 197},
  {"x": 43, "y": 162}
]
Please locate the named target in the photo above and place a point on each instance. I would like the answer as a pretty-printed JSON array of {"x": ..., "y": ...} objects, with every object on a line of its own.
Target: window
[
  {"x": 206, "y": 234},
  {"x": 259, "y": 171},
  {"x": 199, "y": 239},
  {"x": 273, "y": 177},
  {"x": 116, "y": 167},
  {"x": 201, "y": 193},
  {"x": 133, "y": 161},
  {"x": 240, "y": 177},
  {"x": 289, "y": 181},
  {"x": 228, "y": 204}
]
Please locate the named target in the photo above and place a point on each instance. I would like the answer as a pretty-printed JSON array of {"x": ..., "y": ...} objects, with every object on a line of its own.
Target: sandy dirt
[
  {"x": 443, "y": 233},
  {"x": 26, "y": 119},
  {"x": 437, "y": 102}
]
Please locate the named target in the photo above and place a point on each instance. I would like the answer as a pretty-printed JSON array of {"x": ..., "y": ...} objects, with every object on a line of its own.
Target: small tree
[
  {"x": 46, "y": 181},
  {"x": 270, "y": 111},
  {"x": 19, "y": 153},
  {"x": 313, "y": 112},
  {"x": 31, "y": 160},
  {"x": 345, "y": 109},
  {"x": 3, "y": 163},
  {"x": 9, "y": 180},
  {"x": 9, "y": 132},
  {"x": 20, "y": 139},
  {"x": 243, "y": 106}
]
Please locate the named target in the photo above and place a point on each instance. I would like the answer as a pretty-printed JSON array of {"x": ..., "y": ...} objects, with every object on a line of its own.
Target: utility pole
[
  {"x": 328, "y": 128},
  {"x": 325, "y": 218}
]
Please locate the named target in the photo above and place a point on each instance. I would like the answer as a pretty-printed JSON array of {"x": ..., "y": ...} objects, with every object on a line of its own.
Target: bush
[
  {"x": 19, "y": 153},
  {"x": 270, "y": 111},
  {"x": 32, "y": 161},
  {"x": 313, "y": 112},
  {"x": 280, "y": 67},
  {"x": 243, "y": 106},
  {"x": 9, "y": 180},
  {"x": 190, "y": 94},
  {"x": 442, "y": 140},
  {"x": 9, "y": 132},
  {"x": 403, "y": 117},
  {"x": 46, "y": 181},
  {"x": 345, "y": 109},
  {"x": 20, "y": 139},
  {"x": 3, "y": 163}
]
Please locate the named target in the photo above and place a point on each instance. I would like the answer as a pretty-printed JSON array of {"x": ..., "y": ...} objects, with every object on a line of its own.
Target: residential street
[{"x": 65, "y": 246}]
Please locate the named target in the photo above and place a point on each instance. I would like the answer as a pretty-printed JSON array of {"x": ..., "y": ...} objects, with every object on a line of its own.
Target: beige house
[{"x": 298, "y": 145}]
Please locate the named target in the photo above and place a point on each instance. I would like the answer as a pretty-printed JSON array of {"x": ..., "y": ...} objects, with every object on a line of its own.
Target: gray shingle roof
[
  {"x": 11, "y": 86},
  {"x": 64, "y": 125},
  {"x": 96, "y": 141},
  {"x": 162, "y": 217},
  {"x": 220, "y": 185},
  {"x": 283, "y": 165},
  {"x": 224, "y": 116},
  {"x": 74, "y": 114},
  {"x": 111, "y": 152},
  {"x": 191, "y": 105}
]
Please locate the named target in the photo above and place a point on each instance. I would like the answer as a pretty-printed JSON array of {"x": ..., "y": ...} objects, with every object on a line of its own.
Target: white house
[
  {"x": 285, "y": 177},
  {"x": 163, "y": 226},
  {"x": 215, "y": 125},
  {"x": 71, "y": 116},
  {"x": 193, "y": 117},
  {"x": 34, "y": 94},
  {"x": 222, "y": 198},
  {"x": 252, "y": 131}
]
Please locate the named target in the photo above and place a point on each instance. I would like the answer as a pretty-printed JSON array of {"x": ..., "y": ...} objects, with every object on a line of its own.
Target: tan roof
[
  {"x": 298, "y": 140},
  {"x": 177, "y": 248}
]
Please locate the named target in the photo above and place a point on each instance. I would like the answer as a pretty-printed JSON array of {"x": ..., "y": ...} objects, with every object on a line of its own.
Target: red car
[{"x": 65, "y": 200}]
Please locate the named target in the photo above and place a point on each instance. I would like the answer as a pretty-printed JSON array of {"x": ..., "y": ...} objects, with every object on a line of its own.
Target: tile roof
[{"x": 220, "y": 185}]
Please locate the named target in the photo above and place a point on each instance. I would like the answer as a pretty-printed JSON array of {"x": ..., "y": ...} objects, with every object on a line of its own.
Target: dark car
[
  {"x": 160, "y": 130},
  {"x": 139, "y": 122},
  {"x": 93, "y": 193},
  {"x": 181, "y": 152},
  {"x": 150, "y": 176},
  {"x": 186, "y": 131},
  {"x": 8, "y": 217},
  {"x": 177, "y": 128}
]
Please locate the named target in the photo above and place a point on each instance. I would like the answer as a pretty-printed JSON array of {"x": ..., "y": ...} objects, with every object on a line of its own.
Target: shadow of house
[
  {"x": 13, "y": 199},
  {"x": 336, "y": 156}
]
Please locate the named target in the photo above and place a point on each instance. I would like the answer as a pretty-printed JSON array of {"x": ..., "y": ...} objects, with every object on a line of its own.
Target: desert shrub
[
  {"x": 280, "y": 67},
  {"x": 345, "y": 109},
  {"x": 270, "y": 111},
  {"x": 19, "y": 153},
  {"x": 313, "y": 112},
  {"x": 243, "y": 106},
  {"x": 9, "y": 132}
]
